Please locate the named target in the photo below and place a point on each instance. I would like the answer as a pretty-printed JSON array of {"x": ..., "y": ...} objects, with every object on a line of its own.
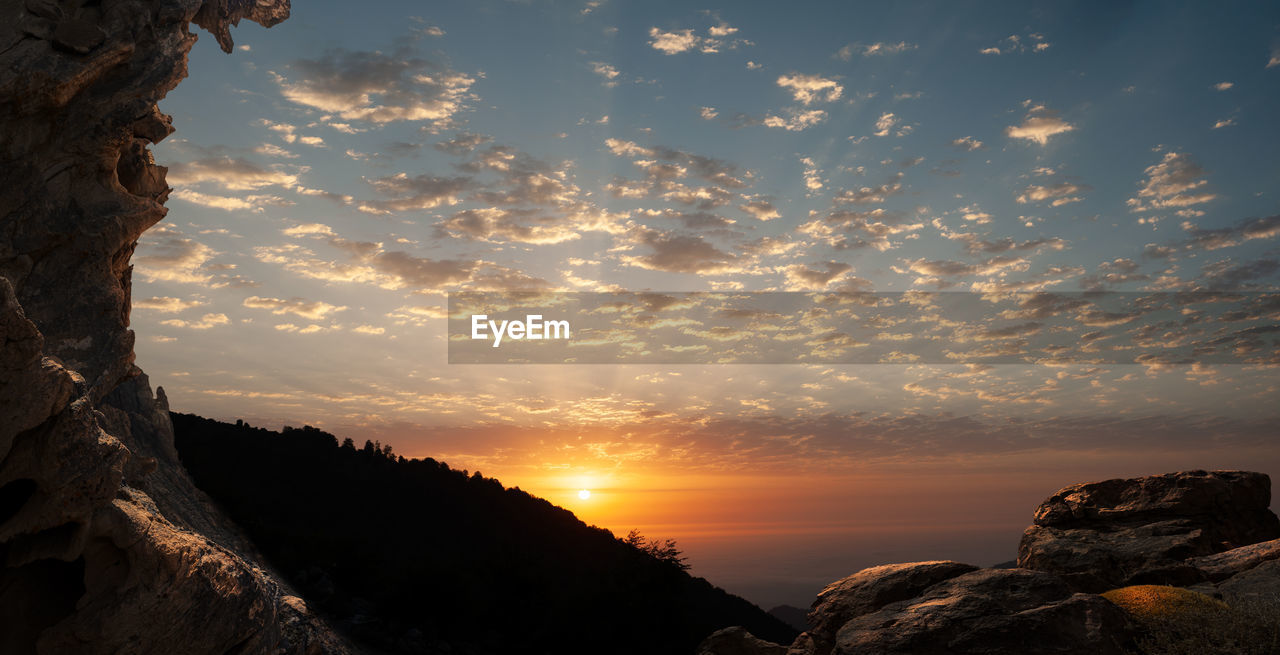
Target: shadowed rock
[
  {"x": 948, "y": 608},
  {"x": 990, "y": 611},
  {"x": 737, "y": 641},
  {"x": 869, "y": 590},
  {"x": 1226, "y": 564},
  {"x": 1104, "y": 535},
  {"x": 105, "y": 545}
]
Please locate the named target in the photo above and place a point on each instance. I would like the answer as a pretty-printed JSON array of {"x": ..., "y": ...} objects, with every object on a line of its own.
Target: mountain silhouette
[{"x": 411, "y": 556}]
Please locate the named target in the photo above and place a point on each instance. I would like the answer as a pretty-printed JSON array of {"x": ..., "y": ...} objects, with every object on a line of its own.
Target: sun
[{"x": 584, "y": 494}]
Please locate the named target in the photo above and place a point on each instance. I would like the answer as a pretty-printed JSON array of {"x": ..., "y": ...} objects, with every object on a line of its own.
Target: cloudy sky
[{"x": 335, "y": 177}]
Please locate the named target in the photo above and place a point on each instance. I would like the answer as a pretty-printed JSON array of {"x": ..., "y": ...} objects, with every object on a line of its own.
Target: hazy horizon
[{"x": 337, "y": 176}]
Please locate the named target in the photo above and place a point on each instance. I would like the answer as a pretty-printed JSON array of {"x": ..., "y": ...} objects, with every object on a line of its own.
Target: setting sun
[{"x": 584, "y": 494}]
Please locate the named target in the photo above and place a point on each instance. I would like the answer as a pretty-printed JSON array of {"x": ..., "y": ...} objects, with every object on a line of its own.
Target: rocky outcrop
[
  {"x": 105, "y": 545},
  {"x": 951, "y": 608},
  {"x": 1103, "y": 535},
  {"x": 868, "y": 591},
  {"x": 1220, "y": 566},
  {"x": 1202, "y": 528},
  {"x": 737, "y": 641}
]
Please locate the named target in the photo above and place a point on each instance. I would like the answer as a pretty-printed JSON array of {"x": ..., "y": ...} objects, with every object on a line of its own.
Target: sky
[{"x": 336, "y": 177}]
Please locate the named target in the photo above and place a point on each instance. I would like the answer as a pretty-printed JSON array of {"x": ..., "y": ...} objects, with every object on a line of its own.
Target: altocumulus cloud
[
  {"x": 1040, "y": 124},
  {"x": 379, "y": 88}
]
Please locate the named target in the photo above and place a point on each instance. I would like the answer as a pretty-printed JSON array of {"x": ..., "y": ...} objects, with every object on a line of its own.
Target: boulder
[
  {"x": 1110, "y": 534},
  {"x": 1223, "y": 565},
  {"x": 737, "y": 641},
  {"x": 1260, "y": 583},
  {"x": 869, "y": 590},
  {"x": 951, "y": 608}
]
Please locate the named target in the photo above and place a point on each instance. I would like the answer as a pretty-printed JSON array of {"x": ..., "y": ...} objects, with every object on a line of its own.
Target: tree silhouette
[
  {"x": 664, "y": 551},
  {"x": 411, "y": 556}
]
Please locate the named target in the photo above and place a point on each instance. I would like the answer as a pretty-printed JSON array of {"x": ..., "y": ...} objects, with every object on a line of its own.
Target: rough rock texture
[
  {"x": 1104, "y": 535},
  {"x": 1221, "y": 566},
  {"x": 991, "y": 611},
  {"x": 952, "y": 608},
  {"x": 737, "y": 641},
  {"x": 105, "y": 545},
  {"x": 1191, "y": 527},
  {"x": 869, "y": 590}
]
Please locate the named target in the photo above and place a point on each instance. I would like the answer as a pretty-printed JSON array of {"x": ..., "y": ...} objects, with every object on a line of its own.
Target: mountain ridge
[{"x": 411, "y": 556}]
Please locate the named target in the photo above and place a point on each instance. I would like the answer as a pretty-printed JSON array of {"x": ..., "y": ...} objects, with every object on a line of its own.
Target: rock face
[
  {"x": 1104, "y": 535},
  {"x": 952, "y": 608},
  {"x": 737, "y": 641},
  {"x": 1190, "y": 528},
  {"x": 870, "y": 590},
  {"x": 105, "y": 545}
]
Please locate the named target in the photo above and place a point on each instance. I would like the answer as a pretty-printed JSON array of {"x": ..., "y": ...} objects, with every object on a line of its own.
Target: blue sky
[{"x": 334, "y": 177}]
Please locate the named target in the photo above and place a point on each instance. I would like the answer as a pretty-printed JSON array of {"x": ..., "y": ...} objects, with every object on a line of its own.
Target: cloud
[
  {"x": 805, "y": 278},
  {"x": 462, "y": 143},
  {"x": 527, "y": 226},
  {"x": 1060, "y": 194},
  {"x": 672, "y": 43},
  {"x": 166, "y": 305},
  {"x": 761, "y": 210},
  {"x": 873, "y": 49},
  {"x": 1112, "y": 273},
  {"x": 169, "y": 256},
  {"x": 1039, "y": 125},
  {"x": 415, "y": 193},
  {"x": 885, "y": 123},
  {"x": 1174, "y": 183},
  {"x": 1275, "y": 58},
  {"x": 808, "y": 89},
  {"x": 708, "y": 113},
  {"x": 233, "y": 174},
  {"x": 722, "y": 30},
  {"x": 207, "y": 321},
  {"x": 254, "y": 202},
  {"x": 1226, "y": 122},
  {"x": 376, "y": 87},
  {"x": 675, "y": 253},
  {"x": 812, "y": 175},
  {"x": 607, "y": 71},
  {"x": 846, "y": 230},
  {"x": 677, "y": 164},
  {"x": 933, "y": 271},
  {"x": 1012, "y": 44},
  {"x": 370, "y": 264},
  {"x": 1227, "y": 275},
  {"x": 871, "y": 195},
  {"x": 1223, "y": 86},
  {"x": 685, "y": 40},
  {"x": 967, "y": 143},
  {"x": 975, "y": 244},
  {"x": 313, "y": 310},
  {"x": 1267, "y": 227},
  {"x": 795, "y": 120}
]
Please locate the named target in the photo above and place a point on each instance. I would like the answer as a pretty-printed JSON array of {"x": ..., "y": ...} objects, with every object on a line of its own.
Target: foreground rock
[
  {"x": 870, "y": 590},
  {"x": 737, "y": 641},
  {"x": 1209, "y": 531},
  {"x": 105, "y": 545},
  {"x": 965, "y": 611},
  {"x": 1103, "y": 535}
]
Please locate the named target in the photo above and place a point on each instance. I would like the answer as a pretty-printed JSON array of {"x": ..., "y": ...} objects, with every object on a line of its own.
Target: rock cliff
[
  {"x": 105, "y": 545},
  {"x": 1212, "y": 532}
]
